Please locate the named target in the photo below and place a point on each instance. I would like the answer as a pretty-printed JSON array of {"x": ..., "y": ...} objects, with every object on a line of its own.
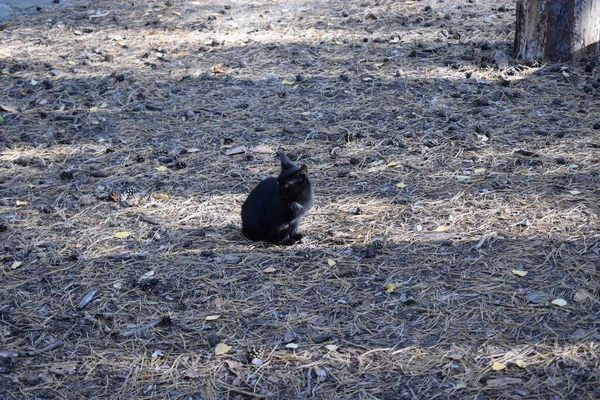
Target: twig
[
  {"x": 50, "y": 347},
  {"x": 242, "y": 392},
  {"x": 146, "y": 328}
]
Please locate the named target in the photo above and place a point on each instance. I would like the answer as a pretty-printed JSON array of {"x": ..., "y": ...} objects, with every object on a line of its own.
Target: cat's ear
[{"x": 303, "y": 171}]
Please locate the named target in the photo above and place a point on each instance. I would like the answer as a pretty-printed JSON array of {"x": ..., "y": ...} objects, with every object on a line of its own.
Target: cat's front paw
[
  {"x": 288, "y": 241},
  {"x": 297, "y": 236}
]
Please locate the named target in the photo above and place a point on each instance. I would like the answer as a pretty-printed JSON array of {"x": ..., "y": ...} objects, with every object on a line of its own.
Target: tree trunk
[{"x": 557, "y": 30}]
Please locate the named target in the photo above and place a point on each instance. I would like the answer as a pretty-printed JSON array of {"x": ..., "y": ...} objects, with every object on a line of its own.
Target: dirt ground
[{"x": 453, "y": 250}]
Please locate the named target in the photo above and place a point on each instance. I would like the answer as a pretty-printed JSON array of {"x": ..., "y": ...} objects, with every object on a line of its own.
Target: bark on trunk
[{"x": 557, "y": 30}]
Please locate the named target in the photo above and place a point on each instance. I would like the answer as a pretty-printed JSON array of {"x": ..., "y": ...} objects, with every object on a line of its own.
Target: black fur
[{"x": 274, "y": 208}]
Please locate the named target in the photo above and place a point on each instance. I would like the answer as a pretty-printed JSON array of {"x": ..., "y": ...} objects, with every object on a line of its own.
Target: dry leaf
[
  {"x": 63, "y": 369},
  {"x": 291, "y": 346},
  {"x": 261, "y": 149},
  {"x": 236, "y": 367},
  {"x": 479, "y": 170},
  {"x": 286, "y": 82},
  {"x": 8, "y": 107},
  {"x": 500, "y": 382},
  {"x": 191, "y": 374},
  {"x": 162, "y": 168},
  {"x": 21, "y": 203},
  {"x": 149, "y": 273},
  {"x": 581, "y": 295},
  {"x": 442, "y": 228},
  {"x": 390, "y": 287},
  {"x": 331, "y": 347},
  {"x": 559, "y": 302},
  {"x": 498, "y": 366},
  {"x": 122, "y": 235},
  {"x": 269, "y": 270},
  {"x": 463, "y": 178},
  {"x": 520, "y": 364},
  {"x": 236, "y": 150},
  {"x": 160, "y": 196},
  {"x": 193, "y": 150},
  {"x": 217, "y": 69},
  {"x": 574, "y": 192},
  {"x": 46, "y": 376},
  {"x": 258, "y": 362},
  {"x": 157, "y": 353},
  {"x": 401, "y": 185},
  {"x": 16, "y": 264},
  {"x": 213, "y": 317},
  {"x": 222, "y": 348},
  {"x": 519, "y": 272},
  {"x": 392, "y": 164},
  {"x": 331, "y": 262}
]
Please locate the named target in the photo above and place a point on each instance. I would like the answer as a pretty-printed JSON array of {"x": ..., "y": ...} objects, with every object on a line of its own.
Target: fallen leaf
[
  {"x": 479, "y": 170},
  {"x": 30, "y": 185},
  {"x": 401, "y": 185},
  {"x": 46, "y": 376},
  {"x": 193, "y": 150},
  {"x": 162, "y": 168},
  {"x": 331, "y": 262},
  {"x": 191, "y": 374},
  {"x": 217, "y": 69},
  {"x": 261, "y": 150},
  {"x": 269, "y": 270},
  {"x": 21, "y": 203},
  {"x": 291, "y": 346},
  {"x": 574, "y": 192},
  {"x": 258, "y": 362},
  {"x": 63, "y": 369},
  {"x": 236, "y": 150},
  {"x": 559, "y": 302},
  {"x": 498, "y": 366},
  {"x": 222, "y": 348},
  {"x": 157, "y": 353},
  {"x": 122, "y": 235},
  {"x": 213, "y": 317},
  {"x": 331, "y": 347},
  {"x": 8, "y": 107},
  {"x": 16, "y": 264},
  {"x": 1, "y": 119},
  {"x": 460, "y": 385},
  {"x": 442, "y": 228},
  {"x": 286, "y": 82},
  {"x": 236, "y": 367},
  {"x": 581, "y": 295},
  {"x": 500, "y": 382},
  {"x": 160, "y": 196},
  {"x": 392, "y": 164},
  {"x": 390, "y": 287},
  {"x": 463, "y": 178},
  {"x": 520, "y": 364},
  {"x": 149, "y": 273},
  {"x": 519, "y": 272}
]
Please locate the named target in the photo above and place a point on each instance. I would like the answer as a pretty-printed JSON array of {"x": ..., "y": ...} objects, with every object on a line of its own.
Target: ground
[{"x": 452, "y": 252}]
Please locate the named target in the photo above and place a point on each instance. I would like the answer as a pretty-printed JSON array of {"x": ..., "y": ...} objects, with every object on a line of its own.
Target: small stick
[
  {"x": 146, "y": 328},
  {"x": 242, "y": 392},
  {"x": 308, "y": 383},
  {"x": 50, "y": 347}
]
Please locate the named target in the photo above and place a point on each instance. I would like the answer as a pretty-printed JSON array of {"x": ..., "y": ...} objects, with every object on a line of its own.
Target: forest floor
[{"x": 453, "y": 250}]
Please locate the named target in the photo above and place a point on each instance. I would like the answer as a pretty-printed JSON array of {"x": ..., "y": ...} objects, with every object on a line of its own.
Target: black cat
[{"x": 274, "y": 208}]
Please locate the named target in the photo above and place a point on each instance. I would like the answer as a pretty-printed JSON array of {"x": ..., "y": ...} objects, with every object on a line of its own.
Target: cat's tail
[{"x": 286, "y": 163}]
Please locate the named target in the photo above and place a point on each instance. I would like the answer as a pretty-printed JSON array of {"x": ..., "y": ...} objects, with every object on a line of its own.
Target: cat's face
[{"x": 291, "y": 183}]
